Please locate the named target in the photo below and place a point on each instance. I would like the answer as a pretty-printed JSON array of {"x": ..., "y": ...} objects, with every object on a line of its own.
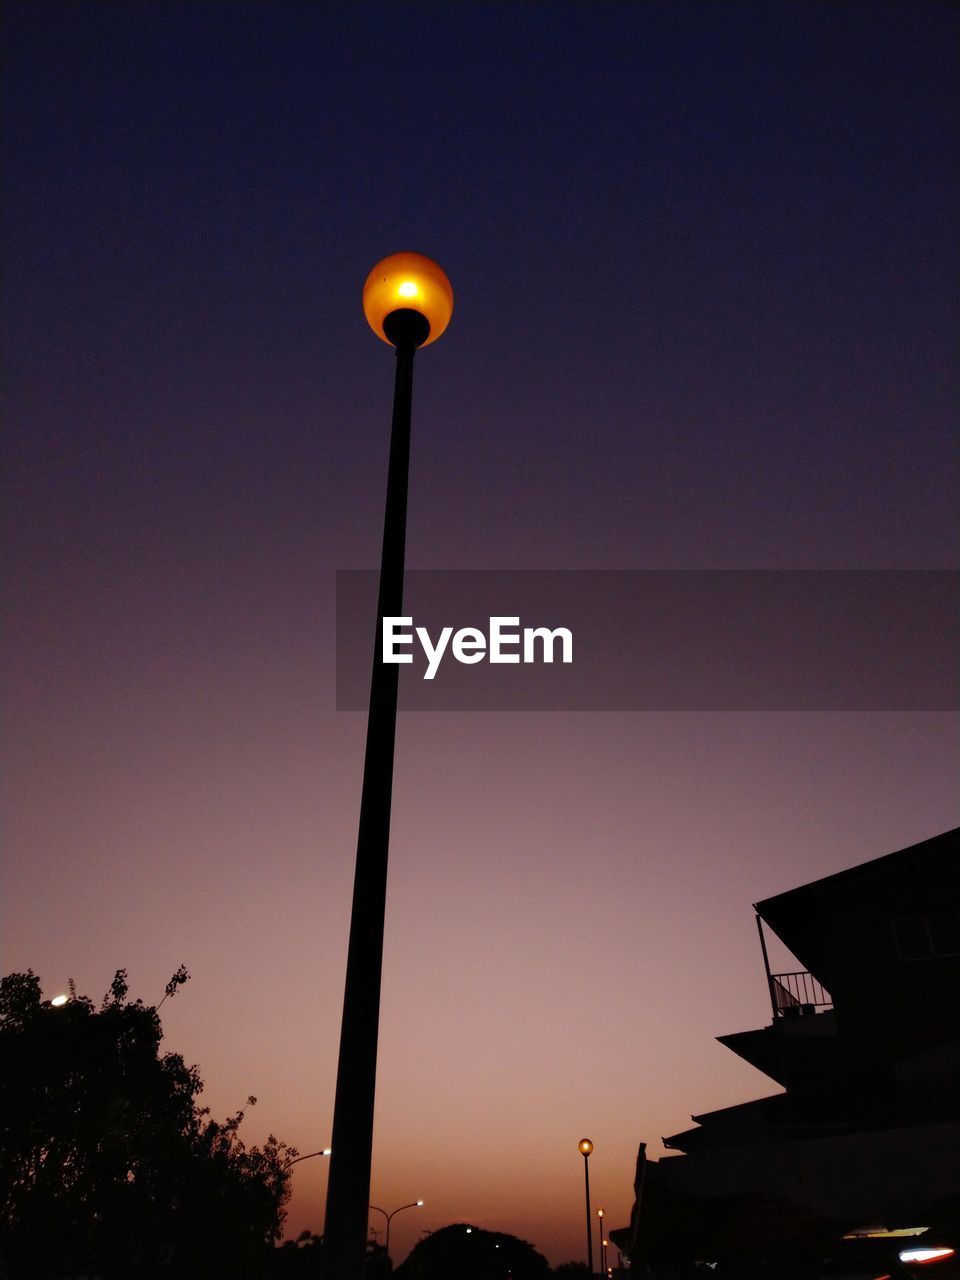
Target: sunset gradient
[{"x": 705, "y": 318}]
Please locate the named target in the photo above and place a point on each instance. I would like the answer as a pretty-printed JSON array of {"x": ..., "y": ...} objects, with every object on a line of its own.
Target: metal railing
[{"x": 795, "y": 994}]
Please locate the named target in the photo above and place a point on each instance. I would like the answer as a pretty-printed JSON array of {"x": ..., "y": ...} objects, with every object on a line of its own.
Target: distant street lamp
[
  {"x": 414, "y": 1204},
  {"x": 408, "y": 302},
  {"x": 603, "y": 1246},
  {"x": 296, "y": 1160},
  {"x": 585, "y": 1146}
]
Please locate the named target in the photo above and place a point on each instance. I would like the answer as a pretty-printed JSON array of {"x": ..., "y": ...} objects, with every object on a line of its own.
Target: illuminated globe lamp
[{"x": 408, "y": 302}]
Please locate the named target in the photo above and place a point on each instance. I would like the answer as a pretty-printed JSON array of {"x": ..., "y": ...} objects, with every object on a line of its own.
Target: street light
[
  {"x": 414, "y": 1204},
  {"x": 296, "y": 1160},
  {"x": 603, "y": 1245},
  {"x": 408, "y": 283},
  {"x": 408, "y": 302},
  {"x": 585, "y": 1146}
]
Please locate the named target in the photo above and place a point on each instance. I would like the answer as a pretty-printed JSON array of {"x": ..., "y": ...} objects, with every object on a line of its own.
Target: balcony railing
[{"x": 794, "y": 995}]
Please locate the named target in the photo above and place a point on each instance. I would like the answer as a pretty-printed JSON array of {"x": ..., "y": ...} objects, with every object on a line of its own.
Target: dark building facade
[{"x": 865, "y": 1044}]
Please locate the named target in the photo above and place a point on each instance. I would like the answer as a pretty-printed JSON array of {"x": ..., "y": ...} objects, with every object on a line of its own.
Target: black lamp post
[
  {"x": 414, "y": 1204},
  {"x": 585, "y": 1146},
  {"x": 408, "y": 301},
  {"x": 309, "y": 1156}
]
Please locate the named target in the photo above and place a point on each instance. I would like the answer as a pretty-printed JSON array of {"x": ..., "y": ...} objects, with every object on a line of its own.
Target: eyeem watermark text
[
  {"x": 470, "y": 645},
  {"x": 657, "y": 640}
]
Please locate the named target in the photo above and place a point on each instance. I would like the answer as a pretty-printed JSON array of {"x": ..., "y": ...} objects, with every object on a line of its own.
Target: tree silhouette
[
  {"x": 302, "y": 1257},
  {"x": 470, "y": 1253},
  {"x": 107, "y": 1163}
]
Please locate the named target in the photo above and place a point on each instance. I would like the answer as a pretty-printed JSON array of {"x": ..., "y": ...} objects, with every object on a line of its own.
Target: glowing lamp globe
[
  {"x": 585, "y": 1146},
  {"x": 406, "y": 296}
]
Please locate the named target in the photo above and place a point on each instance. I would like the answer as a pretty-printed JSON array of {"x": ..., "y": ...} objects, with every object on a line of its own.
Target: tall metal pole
[
  {"x": 586, "y": 1179},
  {"x": 414, "y": 1204},
  {"x": 348, "y": 1188}
]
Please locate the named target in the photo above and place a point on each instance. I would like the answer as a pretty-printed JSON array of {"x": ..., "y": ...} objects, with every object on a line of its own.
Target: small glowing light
[
  {"x": 585, "y": 1146},
  {"x": 327, "y": 1151},
  {"x": 469, "y": 1229},
  {"x": 408, "y": 289},
  {"x": 928, "y": 1254},
  {"x": 599, "y": 1213},
  {"x": 59, "y": 1001},
  {"x": 419, "y": 1204}
]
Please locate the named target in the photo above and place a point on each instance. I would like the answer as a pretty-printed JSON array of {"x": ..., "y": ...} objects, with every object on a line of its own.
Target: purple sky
[{"x": 705, "y": 318}]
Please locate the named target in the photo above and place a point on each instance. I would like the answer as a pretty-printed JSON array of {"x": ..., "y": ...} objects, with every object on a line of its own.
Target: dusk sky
[{"x": 704, "y": 260}]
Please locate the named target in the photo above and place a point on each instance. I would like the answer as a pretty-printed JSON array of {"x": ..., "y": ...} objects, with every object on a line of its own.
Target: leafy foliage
[
  {"x": 107, "y": 1163},
  {"x": 473, "y": 1254},
  {"x": 300, "y": 1257}
]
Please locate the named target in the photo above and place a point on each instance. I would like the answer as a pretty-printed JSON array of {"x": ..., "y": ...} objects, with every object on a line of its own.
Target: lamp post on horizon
[
  {"x": 408, "y": 302},
  {"x": 603, "y": 1246},
  {"x": 414, "y": 1204},
  {"x": 585, "y": 1146},
  {"x": 296, "y": 1160}
]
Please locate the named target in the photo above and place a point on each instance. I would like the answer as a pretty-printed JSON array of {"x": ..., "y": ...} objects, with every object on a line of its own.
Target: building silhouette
[{"x": 865, "y": 1043}]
